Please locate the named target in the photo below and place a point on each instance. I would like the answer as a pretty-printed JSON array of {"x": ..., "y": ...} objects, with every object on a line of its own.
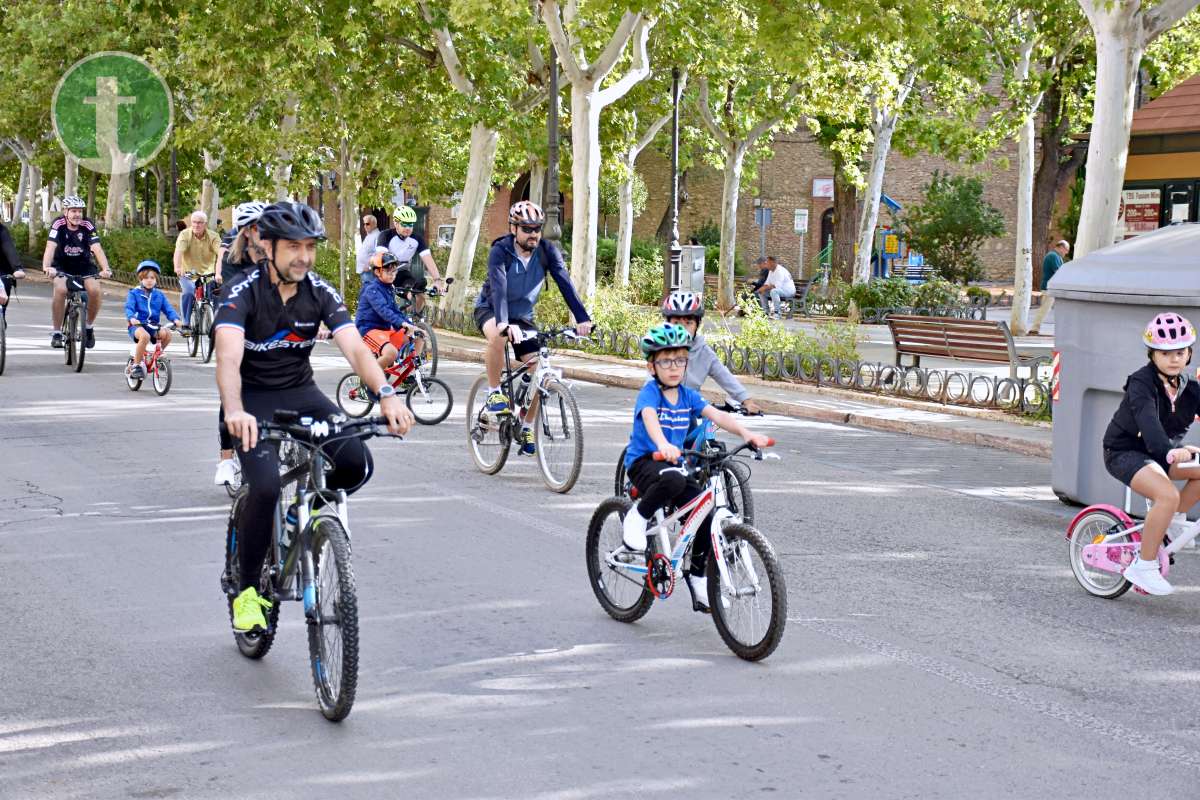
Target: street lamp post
[
  {"x": 674, "y": 251},
  {"x": 553, "y": 226}
]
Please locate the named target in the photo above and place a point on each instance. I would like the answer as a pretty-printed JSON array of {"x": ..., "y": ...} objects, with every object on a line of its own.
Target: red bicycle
[
  {"x": 429, "y": 399},
  {"x": 157, "y": 366}
]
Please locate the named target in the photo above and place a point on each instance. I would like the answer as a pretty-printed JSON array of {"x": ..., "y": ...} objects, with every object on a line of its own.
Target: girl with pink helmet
[{"x": 1142, "y": 446}]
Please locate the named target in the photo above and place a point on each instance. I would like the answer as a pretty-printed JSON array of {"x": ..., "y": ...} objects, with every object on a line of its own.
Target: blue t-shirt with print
[{"x": 675, "y": 419}]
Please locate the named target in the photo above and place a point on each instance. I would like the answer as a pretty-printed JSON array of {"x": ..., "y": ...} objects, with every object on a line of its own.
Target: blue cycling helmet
[{"x": 148, "y": 264}]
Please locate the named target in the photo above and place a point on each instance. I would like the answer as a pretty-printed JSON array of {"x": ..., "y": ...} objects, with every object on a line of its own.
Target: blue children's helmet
[{"x": 148, "y": 264}]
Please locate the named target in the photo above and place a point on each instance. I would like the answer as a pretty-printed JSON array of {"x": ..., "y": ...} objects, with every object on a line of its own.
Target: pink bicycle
[
  {"x": 1104, "y": 540},
  {"x": 157, "y": 366}
]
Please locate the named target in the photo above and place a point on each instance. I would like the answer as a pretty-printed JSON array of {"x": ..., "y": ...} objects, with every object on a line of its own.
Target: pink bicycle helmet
[{"x": 1169, "y": 331}]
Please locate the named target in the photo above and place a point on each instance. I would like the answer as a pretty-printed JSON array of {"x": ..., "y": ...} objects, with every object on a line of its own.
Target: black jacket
[
  {"x": 10, "y": 262},
  {"x": 1145, "y": 421}
]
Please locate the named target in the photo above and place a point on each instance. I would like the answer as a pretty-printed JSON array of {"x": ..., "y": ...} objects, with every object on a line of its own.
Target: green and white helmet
[
  {"x": 406, "y": 215},
  {"x": 665, "y": 337}
]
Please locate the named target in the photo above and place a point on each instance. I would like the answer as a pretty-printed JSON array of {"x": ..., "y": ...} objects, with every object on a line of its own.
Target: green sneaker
[
  {"x": 528, "y": 448},
  {"x": 248, "y": 611}
]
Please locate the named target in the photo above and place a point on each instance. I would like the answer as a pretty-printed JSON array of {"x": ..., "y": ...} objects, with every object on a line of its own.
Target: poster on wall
[{"x": 1139, "y": 212}]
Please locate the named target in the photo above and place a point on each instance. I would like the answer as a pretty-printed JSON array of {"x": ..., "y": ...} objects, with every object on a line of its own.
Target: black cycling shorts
[
  {"x": 1124, "y": 464},
  {"x": 522, "y": 349}
]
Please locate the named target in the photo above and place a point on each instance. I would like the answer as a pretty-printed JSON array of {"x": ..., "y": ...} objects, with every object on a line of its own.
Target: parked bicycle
[
  {"x": 74, "y": 324},
  {"x": 157, "y": 366},
  {"x": 735, "y": 472},
  {"x": 1104, "y": 540},
  {"x": 404, "y": 299},
  {"x": 747, "y": 594},
  {"x": 557, "y": 427},
  {"x": 428, "y": 398},
  {"x": 204, "y": 311},
  {"x": 309, "y": 555}
]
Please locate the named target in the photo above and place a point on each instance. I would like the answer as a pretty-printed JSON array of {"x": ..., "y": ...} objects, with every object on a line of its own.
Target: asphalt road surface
[{"x": 937, "y": 644}]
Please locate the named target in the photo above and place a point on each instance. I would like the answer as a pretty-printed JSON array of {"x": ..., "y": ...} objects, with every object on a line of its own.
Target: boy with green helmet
[{"x": 664, "y": 412}]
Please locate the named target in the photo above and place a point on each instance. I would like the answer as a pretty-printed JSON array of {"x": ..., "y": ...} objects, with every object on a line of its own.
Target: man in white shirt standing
[
  {"x": 367, "y": 248},
  {"x": 779, "y": 286}
]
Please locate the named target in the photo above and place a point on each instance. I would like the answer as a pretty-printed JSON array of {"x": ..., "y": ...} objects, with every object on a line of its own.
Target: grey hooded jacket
[{"x": 703, "y": 362}]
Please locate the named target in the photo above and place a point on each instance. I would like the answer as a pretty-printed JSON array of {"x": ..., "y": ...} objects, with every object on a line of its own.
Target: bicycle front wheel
[
  {"x": 431, "y": 348},
  {"x": 352, "y": 397},
  {"x": 78, "y": 338},
  {"x": 558, "y": 436},
  {"x": 488, "y": 437},
  {"x": 737, "y": 490},
  {"x": 750, "y": 614},
  {"x": 333, "y": 630},
  {"x": 1091, "y": 529},
  {"x": 623, "y": 594},
  {"x": 430, "y": 402},
  {"x": 254, "y": 644},
  {"x": 205, "y": 335},
  {"x": 162, "y": 377}
]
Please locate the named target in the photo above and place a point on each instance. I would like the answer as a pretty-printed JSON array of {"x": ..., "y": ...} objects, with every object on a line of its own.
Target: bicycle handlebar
[
  {"x": 315, "y": 433},
  {"x": 196, "y": 276},
  {"x": 730, "y": 408},
  {"x": 701, "y": 455}
]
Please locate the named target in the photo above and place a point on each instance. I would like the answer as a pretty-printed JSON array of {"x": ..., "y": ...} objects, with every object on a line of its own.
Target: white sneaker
[
  {"x": 634, "y": 536},
  {"x": 1146, "y": 576},
  {"x": 226, "y": 472},
  {"x": 699, "y": 586}
]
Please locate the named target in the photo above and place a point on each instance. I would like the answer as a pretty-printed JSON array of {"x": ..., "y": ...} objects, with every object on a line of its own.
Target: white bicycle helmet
[
  {"x": 247, "y": 213},
  {"x": 524, "y": 212},
  {"x": 73, "y": 201}
]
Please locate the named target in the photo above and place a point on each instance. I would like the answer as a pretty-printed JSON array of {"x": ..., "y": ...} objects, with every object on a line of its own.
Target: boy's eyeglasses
[
  {"x": 672, "y": 362},
  {"x": 389, "y": 270},
  {"x": 530, "y": 228}
]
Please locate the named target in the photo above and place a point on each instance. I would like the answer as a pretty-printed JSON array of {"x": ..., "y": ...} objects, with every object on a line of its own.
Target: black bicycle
[
  {"x": 405, "y": 299},
  {"x": 74, "y": 323},
  {"x": 309, "y": 555},
  {"x": 204, "y": 311},
  {"x": 10, "y": 288},
  {"x": 557, "y": 428},
  {"x": 735, "y": 472}
]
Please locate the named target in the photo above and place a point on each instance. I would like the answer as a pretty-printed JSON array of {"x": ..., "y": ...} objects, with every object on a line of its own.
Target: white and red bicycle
[{"x": 747, "y": 594}]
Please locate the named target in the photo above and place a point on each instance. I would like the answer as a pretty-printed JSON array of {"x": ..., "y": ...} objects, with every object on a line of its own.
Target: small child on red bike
[
  {"x": 664, "y": 412},
  {"x": 1142, "y": 444},
  {"x": 144, "y": 306},
  {"x": 381, "y": 323}
]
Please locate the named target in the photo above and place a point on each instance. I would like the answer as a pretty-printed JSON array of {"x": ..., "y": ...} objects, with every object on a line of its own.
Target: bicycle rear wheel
[
  {"x": 205, "y": 335},
  {"x": 333, "y": 628},
  {"x": 256, "y": 643},
  {"x": 162, "y": 377},
  {"x": 623, "y": 595},
  {"x": 430, "y": 402},
  {"x": 620, "y": 478},
  {"x": 352, "y": 397},
  {"x": 488, "y": 438},
  {"x": 78, "y": 338},
  {"x": 194, "y": 323},
  {"x": 751, "y": 615},
  {"x": 133, "y": 383},
  {"x": 1091, "y": 529},
  {"x": 558, "y": 435},
  {"x": 3, "y": 338}
]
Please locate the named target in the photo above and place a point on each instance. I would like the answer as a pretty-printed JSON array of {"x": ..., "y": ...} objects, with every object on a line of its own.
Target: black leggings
[
  {"x": 260, "y": 469},
  {"x": 660, "y": 485}
]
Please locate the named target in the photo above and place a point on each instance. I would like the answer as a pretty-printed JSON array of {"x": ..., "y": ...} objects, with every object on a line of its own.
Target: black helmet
[{"x": 294, "y": 221}]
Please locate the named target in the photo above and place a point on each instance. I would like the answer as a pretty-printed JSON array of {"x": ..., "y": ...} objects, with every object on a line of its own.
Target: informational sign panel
[
  {"x": 822, "y": 187},
  {"x": 762, "y": 217},
  {"x": 1139, "y": 211},
  {"x": 800, "y": 222},
  {"x": 891, "y": 244}
]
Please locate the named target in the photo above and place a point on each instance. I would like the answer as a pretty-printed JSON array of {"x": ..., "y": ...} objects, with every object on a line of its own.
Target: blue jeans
[
  {"x": 777, "y": 295},
  {"x": 187, "y": 298}
]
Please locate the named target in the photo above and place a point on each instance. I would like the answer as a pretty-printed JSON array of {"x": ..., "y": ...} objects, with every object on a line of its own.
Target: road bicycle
[
  {"x": 557, "y": 428},
  {"x": 309, "y": 555},
  {"x": 74, "y": 324},
  {"x": 747, "y": 593},
  {"x": 735, "y": 472},
  {"x": 204, "y": 310},
  {"x": 1103, "y": 540},
  {"x": 428, "y": 398},
  {"x": 157, "y": 366},
  {"x": 405, "y": 299}
]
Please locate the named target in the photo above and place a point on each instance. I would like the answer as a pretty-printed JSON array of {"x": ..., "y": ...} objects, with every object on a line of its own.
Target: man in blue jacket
[{"x": 517, "y": 268}]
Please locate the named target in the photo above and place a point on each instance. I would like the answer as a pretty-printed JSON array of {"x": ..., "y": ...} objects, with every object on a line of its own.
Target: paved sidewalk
[{"x": 930, "y": 420}]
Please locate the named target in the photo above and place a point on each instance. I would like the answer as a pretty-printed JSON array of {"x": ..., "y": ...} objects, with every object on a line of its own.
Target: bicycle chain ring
[{"x": 660, "y": 576}]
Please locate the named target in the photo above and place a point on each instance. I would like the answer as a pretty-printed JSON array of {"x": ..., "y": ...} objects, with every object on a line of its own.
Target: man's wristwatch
[{"x": 387, "y": 390}]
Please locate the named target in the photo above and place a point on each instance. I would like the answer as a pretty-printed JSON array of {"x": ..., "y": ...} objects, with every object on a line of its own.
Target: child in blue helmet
[
  {"x": 664, "y": 412},
  {"x": 144, "y": 306}
]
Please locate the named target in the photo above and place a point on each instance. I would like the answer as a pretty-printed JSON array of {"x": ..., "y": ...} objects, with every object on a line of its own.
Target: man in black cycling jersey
[
  {"x": 10, "y": 264},
  {"x": 265, "y": 330},
  {"x": 70, "y": 247}
]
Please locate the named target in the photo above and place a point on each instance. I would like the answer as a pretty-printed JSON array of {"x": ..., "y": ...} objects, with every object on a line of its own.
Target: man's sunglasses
[{"x": 530, "y": 228}]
